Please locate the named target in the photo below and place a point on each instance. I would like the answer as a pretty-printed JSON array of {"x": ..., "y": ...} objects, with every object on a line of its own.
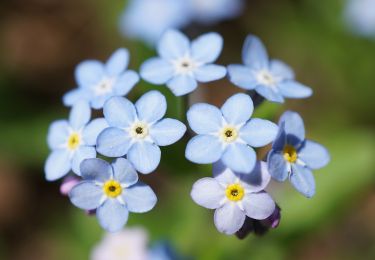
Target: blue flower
[
  {"x": 163, "y": 250},
  {"x": 360, "y": 15},
  {"x": 182, "y": 64},
  {"x": 228, "y": 134},
  {"x": 113, "y": 190},
  {"x": 272, "y": 79},
  {"x": 235, "y": 196},
  {"x": 138, "y": 130},
  {"x": 72, "y": 141},
  {"x": 97, "y": 81},
  {"x": 293, "y": 156}
]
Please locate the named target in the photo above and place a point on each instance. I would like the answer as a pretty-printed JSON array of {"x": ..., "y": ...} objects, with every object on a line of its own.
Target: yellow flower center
[
  {"x": 290, "y": 154},
  {"x": 139, "y": 130},
  {"x": 235, "y": 192},
  {"x": 112, "y": 188},
  {"x": 73, "y": 141},
  {"x": 229, "y": 134}
]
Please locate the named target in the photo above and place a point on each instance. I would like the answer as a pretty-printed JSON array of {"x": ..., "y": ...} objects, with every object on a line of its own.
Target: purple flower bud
[
  {"x": 67, "y": 184},
  {"x": 273, "y": 220}
]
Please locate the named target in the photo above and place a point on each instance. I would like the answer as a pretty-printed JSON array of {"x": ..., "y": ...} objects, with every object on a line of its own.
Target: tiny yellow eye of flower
[
  {"x": 229, "y": 134},
  {"x": 235, "y": 192},
  {"x": 112, "y": 188},
  {"x": 290, "y": 154},
  {"x": 74, "y": 141}
]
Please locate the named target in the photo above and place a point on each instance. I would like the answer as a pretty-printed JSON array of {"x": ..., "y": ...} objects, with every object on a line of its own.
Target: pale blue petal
[
  {"x": 125, "y": 82},
  {"x": 258, "y": 205},
  {"x": 237, "y": 109},
  {"x": 242, "y": 76},
  {"x": 82, "y": 153},
  {"x": 207, "y": 48},
  {"x": 92, "y": 130},
  {"x": 124, "y": 172},
  {"x": 270, "y": 94},
  {"x": 208, "y": 193},
  {"x": 75, "y": 95},
  {"x": 89, "y": 73},
  {"x": 239, "y": 157},
  {"x": 97, "y": 101},
  {"x": 277, "y": 166},
  {"x": 303, "y": 180},
  {"x": 229, "y": 218},
  {"x": 259, "y": 132},
  {"x": 113, "y": 142},
  {"x": 119, "y": 112},
  {"x": 204, "y": 118},
  {"x": 58, "y": 164},
  {"x": 157, "y": 71},
  {"x": 258, "y": 179},
  {"x": 204, "y": 149},
  {"x": 167, "y": 131},
  {"x": 151, "y": 107},
  {"x": 293, "y": 127},
  {"x": 79, "y": 115},
  {"x": 280, "y": 141},
  {"x": 58, "y": 134},
  {"x": 86, "y": 195},
  {"x": 112, "y": 215},
  {"x": 224, "y": 175},
  {"x": 96, "y": 169},
  {"x": 314, "y": 155},
  {"x": 211, "y": 72},
  {"x": 294, "y": 89},
  {"x": 254, "y": 54},
  {"x": 118, "y": 62},
  {"x": 139, "y": 198},
  {"x": 280, "y": 70},
  {"x": 173, "y": 44},
  {"x": 182, "y": 84},
  {"x": 144, "y": 156}
]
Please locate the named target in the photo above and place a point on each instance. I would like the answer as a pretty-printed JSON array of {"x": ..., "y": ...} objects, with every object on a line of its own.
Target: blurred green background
[{"x": 41, "y": 42}]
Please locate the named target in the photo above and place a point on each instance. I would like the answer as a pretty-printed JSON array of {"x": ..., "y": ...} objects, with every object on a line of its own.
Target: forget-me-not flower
[
  {"x": 72, "y": 141},
  {"x": 97, "y": 81},
  {"x": 235, "y": 196},
  {"x": 138, "y": 130},
  {"x": 113, "y": 190},
  {"x": 182, "y": 64},
  {"x": 272, "y": 79},
  {"x": 360, "y": 15},
  {"x": 228, "y": 133},
  {"x": 294, "y": 156}
]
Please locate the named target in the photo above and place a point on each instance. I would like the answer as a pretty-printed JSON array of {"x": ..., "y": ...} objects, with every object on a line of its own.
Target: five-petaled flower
[
  {"x": 228, "y": 133},
  {"x": 138, "y": 130},
  {"x": 97, "y": 81},
  {"x": 272, "y": 79},
  {"x": 72, "y": 141},
  {"x": 292, "y": 155},
  {"x": 235, "y": 196},
  {"x": 182, "y": 65},
  {"x": 113, "y": 190}
]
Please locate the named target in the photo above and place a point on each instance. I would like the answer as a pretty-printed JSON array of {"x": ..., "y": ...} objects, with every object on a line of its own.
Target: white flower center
[
  {"x": 266, "y": 78},
  {"x": 139, "y": 130},
  {"x": 184, "y": 65},
  {"x": 104, "y": 87},
  {"x": 228, "y": 134}
]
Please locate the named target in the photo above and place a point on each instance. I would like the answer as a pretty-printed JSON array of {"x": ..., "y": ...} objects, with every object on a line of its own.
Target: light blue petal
[
  {"x": 124, "y": 172},
  {"x": 258, "y": 205},
  {"x": 258, "y": 179},
  {"x": 167, "y": 131},
  {"x": 125, "y": 82},
  {"x": 224, "y": 175},
  {"x": 208, "y": 193},
  {"x": 173, "y": 44},
  {"x": 293, "y": 127},
  {"x": 211, "y": 72},
  {"x": 280, "y": 70},
  {"x": 119, "y": 112},
  {"x": 86, "y": 195},
  {"x": 259, "y": 132},
  {"x": 207, "y": 48},
  {"x": 229, "y": 218},
  {"x": 182, "y": 84},
  {"x": 204, "y": 149},
  {"x": 118, "y": 62},
  {"x": 314, "y": 155},
  {"x": 144, "y": 156},
  {"x": 156, "y": 71},
  {"x": 277, "y": 166},
  {"x": 82, "y": 153},
  {"x": 293, "y": 89},
  {"x": 89, "y": 73},
  {"x": 92, "y": 130},
  {"x": 237, "y": 109},
  {"x": 112, "y": 215},
  {"x": 254, "y": 54},
  {"x": 151, "y": 107},
  {"x": 113, "y": 142},
  {"x": 79, "y": 115},
  {"x": 303, "y": 180},
  {"x": 242, "y": 76},
  {"x": 280, "y": 140},
  {"x": 204, "y": 118},
  {"x": 270, "y": 94},
  {"x": 58, "y": 133},
  {"x": 97, "y": 101},
  {"x": 139, "y": 198},
  {"x": 58, "y": 164},
  {"x": 75, "y": 95},
  {"x": 96, "y": 170},
  {"x": 239, "y": 157}
]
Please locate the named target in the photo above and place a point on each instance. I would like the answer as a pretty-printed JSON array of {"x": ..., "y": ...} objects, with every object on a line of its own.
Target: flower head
[
  {"x": 235, "y": 196},
  {"x": 181, "y": 64},
  {"x": 138, "y": 130},
  {"x": 72, "y": 141},
  {"x": 113, "y": 190},
  {"x": 272, "y": 79},
  {"x": 228, "y": 133},
  {"x": 294, "y": 156},
  {"x": 360, "y": 15},
  {"x": 97, "y": 81}
]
